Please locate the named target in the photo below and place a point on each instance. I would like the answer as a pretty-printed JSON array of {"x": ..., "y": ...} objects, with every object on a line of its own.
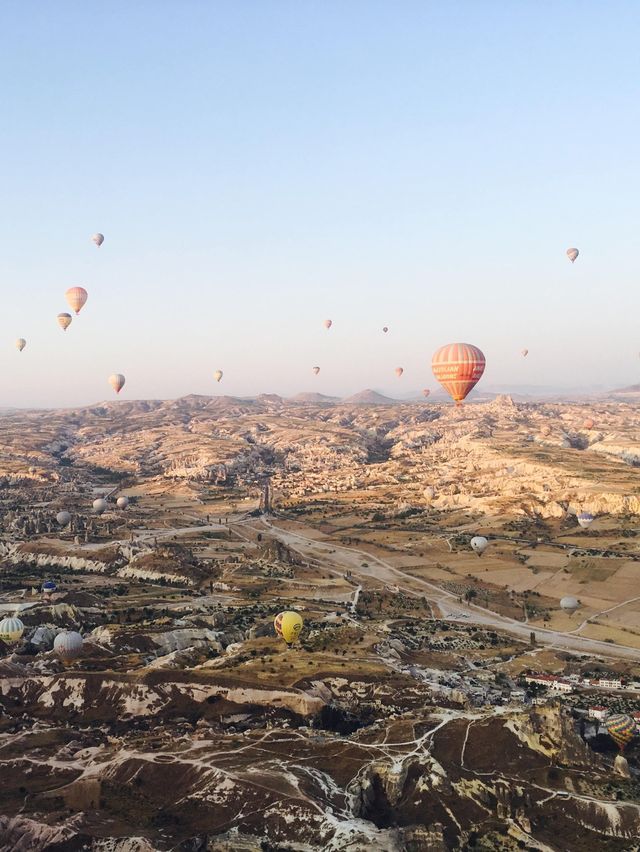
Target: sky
[{"x": 258, "y": 167}]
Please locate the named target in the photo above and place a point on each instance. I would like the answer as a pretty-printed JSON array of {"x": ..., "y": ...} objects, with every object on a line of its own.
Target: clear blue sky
[{"x": 259, "y": 166}]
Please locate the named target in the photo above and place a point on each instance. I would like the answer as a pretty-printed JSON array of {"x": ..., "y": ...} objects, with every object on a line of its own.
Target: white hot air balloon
[
  {"x": 569, "y": 603},
  {"x": 11, "y": 630},
  {"x": 97, "y": 239},
  {"x": 585, "y": 519},
  {"x": 63, "y": 518},
  {"x": 479, "y": 544},
  {"x": 572, "y": 253},
  {"x": 122, "y": 502},
  {"x": 76, "y": 298},
  {"x": 218, "y": 375},
  {"x": 64, "y": 321},
  {"x": 328, "y": 323},
  {"x": 20, "y": 344},
  {"x": 100, "y": 506},
  {"x": 524, "y": 352},
  {"x": 117, "y": 380},
  {"x": 68, "y": 645}
]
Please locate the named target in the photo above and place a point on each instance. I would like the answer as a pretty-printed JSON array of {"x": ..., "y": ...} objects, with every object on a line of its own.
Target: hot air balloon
[
  {"x": 524, "y": 352},
  {"x": 288, "y": 625},
  {"x": 572, "y": 253},
  {"x": 100, "y": 506},
  {"x": 479, "y": 544},
  {"x": 68, "y": 645},
  {"x": 64, "y": 321},
  {"x": 11, "y": 630},
  {"x": 328, "y": 323},
  {"x": 218, "y": 375},
  {"x": 426, "y": 392},
  {"x": 98, "y": 239},
  {"x": 385, "y": 329},
  {"x": 48, "y": 587},
  {"x": 76, "y": 298},
  {"x": 122, "y": 502},
  {"x": 585, "y": 519},
  {"x": 588, "y": 423},
  {"x": 621, "y": 728},
  {"x": 429, "y": 492},
  {"x": 399, "y": 371},
  {"x": 458, "y": 367},
  {"x": 116, "y": 380},
  {"x": 545, "y": 430},
  {"x": 20, "y": 344},
  {"x": 63, "y": 518},
  {"x": 316, "y": 370},
  {"x": 569, "y": 604}
]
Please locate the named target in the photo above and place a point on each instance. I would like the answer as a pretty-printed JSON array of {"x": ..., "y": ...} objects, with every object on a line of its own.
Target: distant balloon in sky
[
  {"x": 328, "y": 323},
  {"x": 100, "y": 506},
  {"x": 76, "y": 298},
  {"x": 316, "y": 370},
  {"x": 585, "y": 519},
  {"x": 20, "y": 344},
  {"x": 569, "y": 603},
  {"x": 572, "y": 253},
  {"x": 426, "y": 392},
  {"x": 68, "y": 645},
  {"x": 479, "y": 544},
  {"x": 218, "y": 375},
  {"x": 458, "y": 367},
  {"x": 98, "y": 239},
  {"x": 11, "y": 630},
  {"x": 385, "y": 329},
  {"x": 64, "y": 321},
  {"x": 524, "y": 352},
  {"x": 63, "y": 518},
  {"x": 122, "y": 502},
  {"x": 399, "y": 371},
  {"x": 117, "y": 380}
]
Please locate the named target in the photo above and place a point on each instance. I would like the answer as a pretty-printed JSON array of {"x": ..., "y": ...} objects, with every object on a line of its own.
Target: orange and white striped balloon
[
  {"x": 458, "y": 367},
  {"x": 76, "y": 298}
]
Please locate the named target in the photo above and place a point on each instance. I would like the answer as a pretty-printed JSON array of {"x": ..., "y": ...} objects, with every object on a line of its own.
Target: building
[
  {"x": 599, "y": 713},
  {"x": 554, "y": 682},
  {"x": 607, "y": 683}
]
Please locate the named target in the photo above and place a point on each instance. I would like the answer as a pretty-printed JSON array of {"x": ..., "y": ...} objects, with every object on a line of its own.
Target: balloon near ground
[
  {"x": 20, "y": 344},
  {"x": 63, "y": 518},
  {"x": 100, "y": 506},
  {"x": 64, "y": 321},
  {"x": 122, "y": 502},
  {"x": 569, "y": 603},
  {"x": 585, "y": 519},
  {"x": 68, "y": 645},
  {"x": 479, "y": 544},
  {"x": 117, "y": 380},
  {"x": 458, "y": 367},
  {"x": 76, "y": 298},
  {"x": 11, "y": 630},
  {"x": 48, "y": 587},
  {"x": 621, "y": 728},
  {"x": 288, "y": 625}
]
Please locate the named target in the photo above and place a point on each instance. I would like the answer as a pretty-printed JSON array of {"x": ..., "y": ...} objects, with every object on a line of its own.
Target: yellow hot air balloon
[
  {"x": 76, "y": 298},
  {"x": 64, "y": 321},
  {"x": 20, "y": 344},
  {"x": 218, "y": 375},
  {"x": 399, "y": 371},
  {"x": 288, "y": 625},
  {"x": 117, "y": 380}
]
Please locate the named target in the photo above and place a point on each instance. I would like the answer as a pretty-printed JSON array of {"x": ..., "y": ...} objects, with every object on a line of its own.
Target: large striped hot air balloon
[
  {"x": 76, "y": 298},
  {"x": 11, "y": 630},
  {"x": 621, "y": 728},
  {"x": 458, "y": 367}
]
